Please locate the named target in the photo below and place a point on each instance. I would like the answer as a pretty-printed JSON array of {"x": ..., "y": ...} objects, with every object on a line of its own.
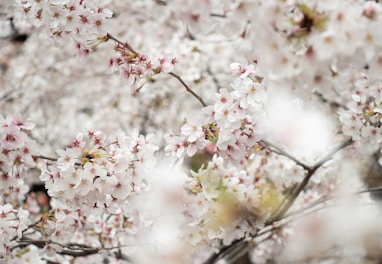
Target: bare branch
[
  {"x": 214, "y": 79},
  {"x": 188, "y": 88},
  {"x": 281, "y": 152},
  {"x": 333, "y": 104},
  {"x": 218, "y": 15},
  {"x": 45, "y": 158}
]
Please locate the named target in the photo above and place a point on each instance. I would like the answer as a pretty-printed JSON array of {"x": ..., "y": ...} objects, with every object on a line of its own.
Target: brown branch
[
  {"x": 26, "y": 229},
  {"x": 214, "y": 79},
  {"x": 72, "y": 249},
  {"x": 281, "y": 152},
  {"x": 241, "y": 246},
  {"x": 218, "y": 15},
  {"x": 44, "y": 157},
  {"x": 124, "y": 44},
  {"x": 188, "y": 88},
  {"x": 52, "y": 159},
  {"x": 305, "y": 181},
  {"x": 331, "y": 103},
  {"x": 127, "y": 46},
  {"x": 161, "y": 2}
]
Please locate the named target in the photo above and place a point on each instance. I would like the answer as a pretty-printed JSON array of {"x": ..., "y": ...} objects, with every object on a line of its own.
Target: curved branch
[
  {"x": 124, "y": 44},
  {"x": 188, "y": 88},
  {"x": 281, "y": 152},
  {"x": 127, "y": 46}
]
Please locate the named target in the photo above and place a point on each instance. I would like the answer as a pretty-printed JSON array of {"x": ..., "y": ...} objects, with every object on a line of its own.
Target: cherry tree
[{"x": 209, "y": 131}]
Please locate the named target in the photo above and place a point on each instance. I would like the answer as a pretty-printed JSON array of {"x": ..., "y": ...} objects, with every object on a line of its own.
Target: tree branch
[
  {"x": 51, "y": 159},
  {"x": 281, "y": 152},
  {"x": 188, "y": 88},
  {"x": 305, "y": 181},
  {"x": 72, "y": 249},
  {"x": 124, "y": 44},
  {"x": 44, "y": 157},
  {"x": 127, "y": 46},
  {"x": 241, "y": 246}
]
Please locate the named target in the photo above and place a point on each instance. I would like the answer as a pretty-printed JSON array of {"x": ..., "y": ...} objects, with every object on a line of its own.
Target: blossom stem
[
  {"x": 45, "y": 158},
  {"x": 124, "y": 44}
]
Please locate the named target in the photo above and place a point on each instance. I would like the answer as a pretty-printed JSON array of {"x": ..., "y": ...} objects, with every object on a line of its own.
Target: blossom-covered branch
[{"x": 250, "y": 170}]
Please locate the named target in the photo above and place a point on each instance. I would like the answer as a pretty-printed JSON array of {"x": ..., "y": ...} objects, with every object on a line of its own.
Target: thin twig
[
  {"x": 331, "y": 103},
  {"x": 218, "y": 15},
  {"x": 323, "y": 201},
  {"x": 44, "y": 157},
  {"x": 214, "y": 79},
  {"x": 76, "y": 250},
  {"x": 188, "y": 88},
  {"x": 281, "y": 152},
  {"x": 124, "y": 44},
  {"x": 52, "y": 159},
  {"x": 160, "y": 2}
]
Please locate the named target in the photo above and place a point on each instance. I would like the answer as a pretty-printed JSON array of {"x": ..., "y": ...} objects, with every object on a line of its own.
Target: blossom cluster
[
  {"x": 16, "y": 157},
  {"x": 93, "y": 178},
  {"x": 262, "y": 169},
  {"x": 134, "y": 66},
  {"x": 67, "y": 19},
  {"x": 231, "y": 123},
  {"x": 83, "y": 22},
  {"x": 226, "y": 203},
  {"x": 223, "y": 204},
  {"x": 362, "y": 118},
  {"x": 98, "y": 174},
  {"x": 12, "y": 223}
]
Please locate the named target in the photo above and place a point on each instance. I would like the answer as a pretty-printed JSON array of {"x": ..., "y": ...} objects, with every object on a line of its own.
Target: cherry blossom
[
  {"x": 65, "y": 19},
  {"x": 271, "y": 111},
  {"x": 232, "y": 124},
  {"x": 96, "y": 170}
]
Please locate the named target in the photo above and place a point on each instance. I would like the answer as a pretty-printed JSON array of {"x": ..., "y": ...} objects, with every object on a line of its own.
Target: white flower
[
  {"x": 68, "y": 157},
  {"x": 106, "y": 184},
  {"x": 243, "y": 70},
  {"x": 192, "y": 131}
]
